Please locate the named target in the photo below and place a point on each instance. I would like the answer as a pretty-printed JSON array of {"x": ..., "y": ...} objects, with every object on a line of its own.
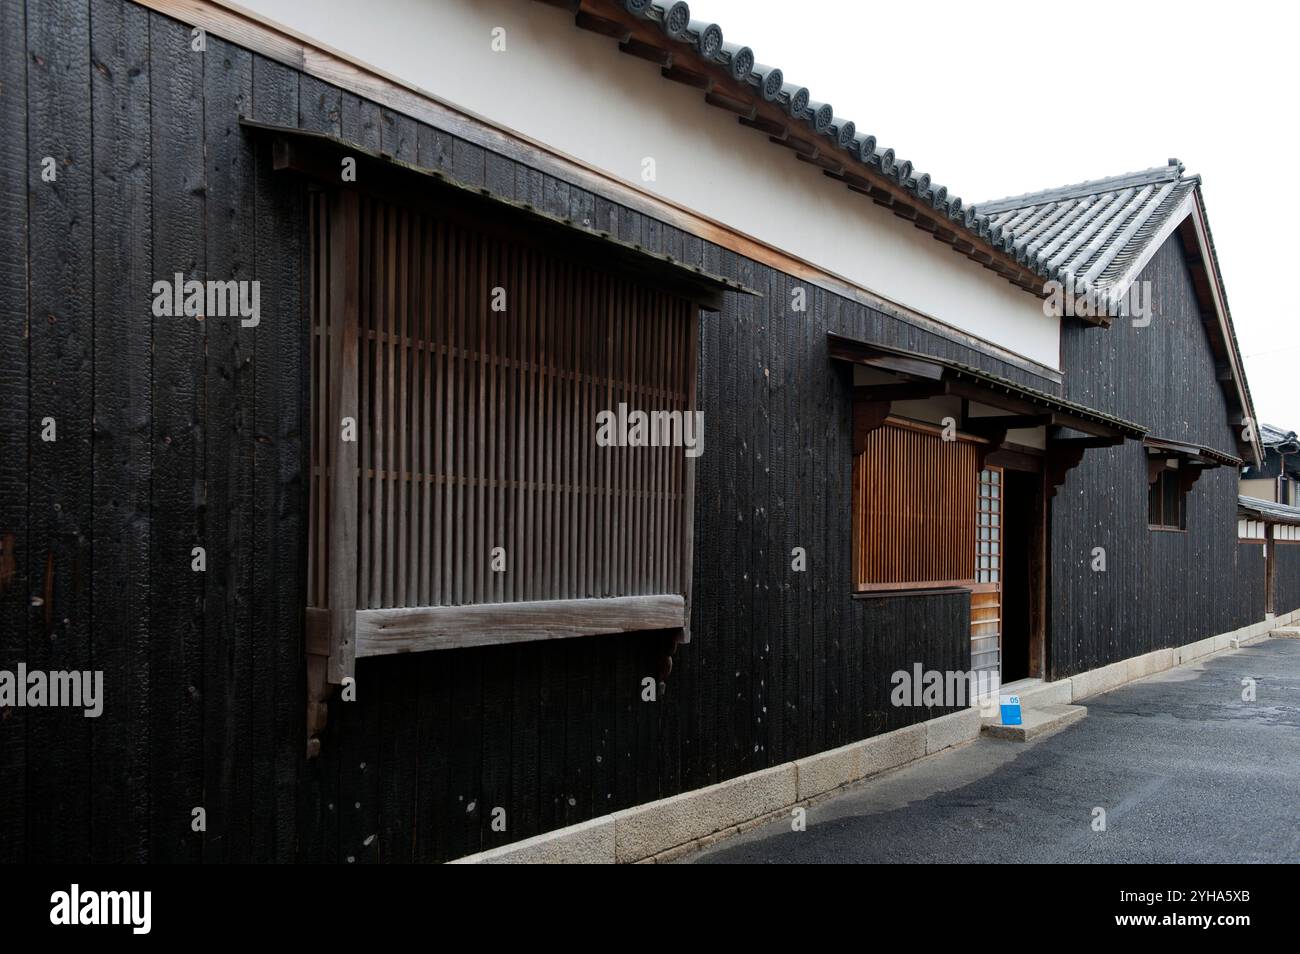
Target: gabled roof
[
  {"x": 1098, "y": 234},
  {"x": 694, "y": 52},
  {"x": 1097, "y": 237}
]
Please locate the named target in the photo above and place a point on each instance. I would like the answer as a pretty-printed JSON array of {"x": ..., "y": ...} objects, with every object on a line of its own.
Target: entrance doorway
[
  {"x": 1008, "y": 594},
  {"x": 1021, "y": 514}
]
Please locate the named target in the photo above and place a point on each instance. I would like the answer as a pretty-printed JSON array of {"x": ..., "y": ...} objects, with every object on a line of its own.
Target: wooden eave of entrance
[
  {"x": 319, "y": 157},
  {"x": 921, "y": 376}
]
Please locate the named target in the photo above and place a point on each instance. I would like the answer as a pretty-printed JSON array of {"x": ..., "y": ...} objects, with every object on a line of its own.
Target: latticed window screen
[
  {"x": 476, "y": 426},
  {"x": 986, "y": 594},
  {"x": 914, "y": 508},
  {"x": 988, "y": 555}
]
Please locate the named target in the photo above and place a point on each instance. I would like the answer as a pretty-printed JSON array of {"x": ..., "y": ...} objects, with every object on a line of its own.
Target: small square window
[{"x": 1166, "y": 508}]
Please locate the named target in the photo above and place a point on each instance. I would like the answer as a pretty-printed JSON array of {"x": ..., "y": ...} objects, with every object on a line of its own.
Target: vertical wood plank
[
  {"x": 176, "y": 77},
  {"x": 17, "y": 565},
  {"x": 228, "y": 463},
  {"x": 280, "y": 384},
  {"x": 344, "y": 297}
]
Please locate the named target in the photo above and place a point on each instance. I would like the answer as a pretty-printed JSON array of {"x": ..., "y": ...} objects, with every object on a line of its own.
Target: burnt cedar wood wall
[
  {"x": 174, "y": 433},
  {"x": 1160, "y": 588},
  {"x": 1286, "y": 582}
]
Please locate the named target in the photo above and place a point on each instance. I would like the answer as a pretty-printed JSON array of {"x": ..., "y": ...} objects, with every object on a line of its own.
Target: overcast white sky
[{"x": 1000, "y": 98}]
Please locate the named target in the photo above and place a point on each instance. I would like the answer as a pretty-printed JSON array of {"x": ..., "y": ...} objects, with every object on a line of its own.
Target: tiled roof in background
[
  {"x": 1272, "y": 436},
  {"x": 1268, "y": 510},
  {"x": 1093, "y": 232}
]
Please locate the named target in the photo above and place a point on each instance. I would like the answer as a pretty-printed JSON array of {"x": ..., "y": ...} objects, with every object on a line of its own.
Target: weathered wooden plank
[
  {"x": 360, "y": 733},
  {"x": 397, "y": 135},
  {"x": 498, "y": 715},
  {"x": 15, "y": 547},
  {"x": 228, "y": 466},
  {"x": 433, "y": 716},
  {"x": 123, "y": 204},
  {"x": 360, "y": 121},
  {"x": 320, "y": 106},
  {"x": 415, "y": 629},
  {"x": 343, "y": 303},
  {"x": 397, "y": 775},
  {"x": 178, "y": 445},
  {"x": 281, "y": 383},
  {"x": 61, "y": 333}
]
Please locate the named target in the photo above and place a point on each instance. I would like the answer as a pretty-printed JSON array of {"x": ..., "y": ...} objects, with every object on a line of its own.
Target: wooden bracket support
[
  {"x": 1064, "y": 455},
  {"x": 867, "y": 416}
]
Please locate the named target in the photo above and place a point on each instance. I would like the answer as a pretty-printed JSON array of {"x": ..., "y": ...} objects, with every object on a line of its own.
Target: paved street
[{"x": 1185, "y": 770}]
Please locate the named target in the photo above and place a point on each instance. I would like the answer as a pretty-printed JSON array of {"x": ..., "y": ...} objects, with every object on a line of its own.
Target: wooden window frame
[
  {"x": 1159, "y": 484},
  {"x": 340, "y": 631}
]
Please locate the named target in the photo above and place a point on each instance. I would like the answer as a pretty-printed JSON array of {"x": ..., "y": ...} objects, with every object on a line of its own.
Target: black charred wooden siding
[
  {"x": 1160, "y": 588},
  {"x": 1161, "y": 375},
  {"x": 198, "y": 439},
  {"x": 171, "y": 434},
  {"x": 17, "y": 563},
  {"x": 1286, "y": 593}
]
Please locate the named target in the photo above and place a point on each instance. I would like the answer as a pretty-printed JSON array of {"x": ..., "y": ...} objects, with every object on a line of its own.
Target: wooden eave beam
[
  {"x": 775, "y": 130},
  {"x": 1009, "y": 401},
  {"x": 688, "y": 77},
  {"x": 743, "y": 110},
  {"x": 1087, "y": 443},
  {"x": 597, "y": 23},
  {"x": 906, "y": 391},
  {"x": 655, "y": 54},
  {"x": 1007, "y": 422},
  {"x": 1006, "y": 399},
  {"x": 911, "y": 367}
]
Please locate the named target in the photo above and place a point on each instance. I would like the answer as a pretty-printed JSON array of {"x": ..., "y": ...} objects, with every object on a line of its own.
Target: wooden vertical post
[
  {"x": 343, "y": 304},
  {"x": 688, "y": 504},
  {"x": 1270, "y": 567}
]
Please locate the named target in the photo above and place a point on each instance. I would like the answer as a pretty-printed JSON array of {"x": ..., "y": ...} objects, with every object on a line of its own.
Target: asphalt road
[{"x": 1186, "y": 771}]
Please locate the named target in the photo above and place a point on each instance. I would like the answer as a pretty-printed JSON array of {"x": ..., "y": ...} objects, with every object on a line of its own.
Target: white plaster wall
[{"x": 573, "y": 91}]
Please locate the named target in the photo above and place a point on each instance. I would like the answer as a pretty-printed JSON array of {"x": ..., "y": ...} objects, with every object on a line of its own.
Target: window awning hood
[{"x": 320, "y": 156}]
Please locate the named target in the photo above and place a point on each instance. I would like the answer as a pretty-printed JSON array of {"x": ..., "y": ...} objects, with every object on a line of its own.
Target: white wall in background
[{"x": 576, "y": 93}]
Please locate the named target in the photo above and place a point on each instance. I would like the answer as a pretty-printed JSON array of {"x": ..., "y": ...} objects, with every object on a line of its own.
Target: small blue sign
[{"x": 1010, "y": 710}]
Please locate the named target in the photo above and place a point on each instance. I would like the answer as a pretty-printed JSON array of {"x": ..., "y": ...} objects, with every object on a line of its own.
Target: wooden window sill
[
  {"x": 912, "y": 589},
  {"x": 382, "y": 632}
]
